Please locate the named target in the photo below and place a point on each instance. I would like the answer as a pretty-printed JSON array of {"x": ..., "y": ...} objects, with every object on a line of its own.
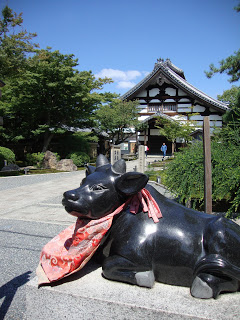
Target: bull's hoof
[
  {"x": 200, "y": 289},
  {"x": 145, "y": 279}
]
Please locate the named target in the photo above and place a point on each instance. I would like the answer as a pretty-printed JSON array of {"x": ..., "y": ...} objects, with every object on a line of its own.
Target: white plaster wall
[
  {"x": 154, "y": 132},
  {"x": 143, "y": 110},
  {"x": 155, "y": 100},
  {"x": 197, "y": 117},
  {"x": 184, "y": 108},
  {"x": 153, "y": 92},
  {"x": 141, "y": 101},
  {"x": 199, "y": 124},
  {"x": 181, "y": 93},
  {"x": 171, "y": 91},
  {"x": 184, "y": 100},
  {"x": 169, "y": 100},
  {"x": 216, "y": 124},
  {"x": 198, "y": 108},
  {"x": 142, "y": 93},
  {"x": 215, "y": 117}
]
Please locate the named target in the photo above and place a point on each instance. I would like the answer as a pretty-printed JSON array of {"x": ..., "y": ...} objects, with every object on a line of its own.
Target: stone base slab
[{"x": 87, "y": 295}]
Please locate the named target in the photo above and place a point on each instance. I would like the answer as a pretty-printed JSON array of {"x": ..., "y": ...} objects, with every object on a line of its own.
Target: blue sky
[{"x": 123, "y": 39}]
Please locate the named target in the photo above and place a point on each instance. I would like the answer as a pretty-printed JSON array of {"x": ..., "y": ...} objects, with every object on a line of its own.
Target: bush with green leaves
[
  {"x": 6, "y": 154},
  {"x": 35, "y": 159},
  {"x": 184, "y": 176},
  {"x": 79, "y": 158}
]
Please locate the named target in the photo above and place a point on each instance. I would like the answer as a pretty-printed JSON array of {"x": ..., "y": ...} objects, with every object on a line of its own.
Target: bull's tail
[{"x": 216, "y": 264}]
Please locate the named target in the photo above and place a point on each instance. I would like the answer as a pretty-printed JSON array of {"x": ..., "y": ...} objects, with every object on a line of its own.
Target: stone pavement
[{"x": 39, "y": 197}]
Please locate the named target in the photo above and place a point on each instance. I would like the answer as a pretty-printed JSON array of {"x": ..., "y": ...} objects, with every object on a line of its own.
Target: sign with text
[
  {"x": 115, "y": 154},
  {"x": 141, "y": 159}
]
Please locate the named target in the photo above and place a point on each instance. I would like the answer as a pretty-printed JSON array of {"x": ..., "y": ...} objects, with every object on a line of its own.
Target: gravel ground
[{"x": 24, "y": 180}]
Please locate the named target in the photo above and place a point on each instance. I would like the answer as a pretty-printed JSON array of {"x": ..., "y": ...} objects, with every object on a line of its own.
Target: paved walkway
[{"x": 39, "y": 197}]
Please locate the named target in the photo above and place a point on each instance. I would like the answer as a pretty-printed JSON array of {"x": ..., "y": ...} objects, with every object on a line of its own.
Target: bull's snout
[{"x": 70, "y": 195}]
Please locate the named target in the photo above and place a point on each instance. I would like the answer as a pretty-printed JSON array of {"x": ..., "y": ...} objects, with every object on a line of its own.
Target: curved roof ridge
[
  {"x": 189, "y": 87},
  {"x": 172, "y": 66}
]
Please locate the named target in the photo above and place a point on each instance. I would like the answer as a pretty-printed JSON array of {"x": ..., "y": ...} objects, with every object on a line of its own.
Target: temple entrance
[{"x": 155, "y": 143}]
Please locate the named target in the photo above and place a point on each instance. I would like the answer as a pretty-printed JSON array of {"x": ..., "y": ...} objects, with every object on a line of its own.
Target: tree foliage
[
  {"x": 118, "y": 119},
  {"x": 15, "y": 44},
  {"x": 173, "y": 129},
  {"x": 230, "y": 66},
  {"x": 232, "y": 97},
  {"x": 49, "y": 97},
  {"x": 185, "y": 174}
]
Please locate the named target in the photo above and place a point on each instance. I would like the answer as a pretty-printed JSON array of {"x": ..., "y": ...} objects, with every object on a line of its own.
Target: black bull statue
[{"x": 185, "y": 248}]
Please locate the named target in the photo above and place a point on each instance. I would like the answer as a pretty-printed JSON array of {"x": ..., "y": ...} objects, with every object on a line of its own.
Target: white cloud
[
  {"x": 118, "y": 75},
  {"x": 125, "y": 84},
  {"x": 122, "y": 79}
]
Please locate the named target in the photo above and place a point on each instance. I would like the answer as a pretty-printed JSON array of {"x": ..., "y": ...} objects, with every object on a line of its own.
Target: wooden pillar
[
  {"x": 145, "y": 138},
  {"x": 207, "y": 166}
]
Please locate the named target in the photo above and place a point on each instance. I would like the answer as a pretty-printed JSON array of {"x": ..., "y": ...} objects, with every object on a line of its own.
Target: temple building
[{"x": 165, "y": 92}]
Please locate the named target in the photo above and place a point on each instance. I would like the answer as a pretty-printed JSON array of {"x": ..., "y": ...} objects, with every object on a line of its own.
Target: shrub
[
  {"x": 35, "y": 159},
  {"x": 78, "y": 158},
  {"x": 6, "y": 154},
  {"x": 185, "y": 175}
]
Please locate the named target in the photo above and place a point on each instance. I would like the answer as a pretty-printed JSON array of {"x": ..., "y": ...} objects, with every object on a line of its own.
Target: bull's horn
[
  {"x": 101, "y": 161},
  {"x": 119, "y": 166}
]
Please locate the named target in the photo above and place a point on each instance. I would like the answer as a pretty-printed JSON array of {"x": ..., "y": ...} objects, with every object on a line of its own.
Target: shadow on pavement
[{"x": 8, "y": 290}]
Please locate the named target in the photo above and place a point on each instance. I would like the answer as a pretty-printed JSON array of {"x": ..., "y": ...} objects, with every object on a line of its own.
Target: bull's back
[{"x": 170, "y": 247}]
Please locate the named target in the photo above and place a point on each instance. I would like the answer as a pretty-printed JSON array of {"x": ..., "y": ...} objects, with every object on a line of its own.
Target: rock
[
  {"x": 66, "y": 165},
  {"x": 11, "y": 167},
  {"x": 49, "y": 160}
]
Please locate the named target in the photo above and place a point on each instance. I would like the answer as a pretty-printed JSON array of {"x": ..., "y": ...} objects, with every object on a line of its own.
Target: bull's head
[{"x": 103, "y": 190}]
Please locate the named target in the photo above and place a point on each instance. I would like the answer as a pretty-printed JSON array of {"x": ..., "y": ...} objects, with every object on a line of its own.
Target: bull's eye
[{"x": 97, "y": 187}]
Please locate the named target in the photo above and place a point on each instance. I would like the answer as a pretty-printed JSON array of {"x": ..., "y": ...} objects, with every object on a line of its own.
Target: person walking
[
  {"x": 146, "y": 150},
  {"x": 164, "y": 150}
]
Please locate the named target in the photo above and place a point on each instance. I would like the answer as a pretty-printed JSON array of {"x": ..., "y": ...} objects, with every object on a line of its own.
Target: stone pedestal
[{"x": 87, "y": 295}]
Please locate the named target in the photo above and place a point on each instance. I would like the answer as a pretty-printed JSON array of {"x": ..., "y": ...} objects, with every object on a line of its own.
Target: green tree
[
  {"x": 232, "y": 97},
  {"x": 184, "y": 176},
  {"x": 173, "y": 129},
  {"x": 15, "y": 44},
  {"x": 49, "y": 97},
  {"x": 119, "y": 119},
  {"x": 230, "y": 66}
]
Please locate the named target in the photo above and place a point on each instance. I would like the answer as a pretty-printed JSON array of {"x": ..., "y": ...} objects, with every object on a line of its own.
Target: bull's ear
[
  {"x": 131, "y": 182},
  {"x": 90, "y": 169}
]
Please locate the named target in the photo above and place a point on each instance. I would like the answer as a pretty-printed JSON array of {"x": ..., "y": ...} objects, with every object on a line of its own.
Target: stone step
[{"x": 88, "y": 296}]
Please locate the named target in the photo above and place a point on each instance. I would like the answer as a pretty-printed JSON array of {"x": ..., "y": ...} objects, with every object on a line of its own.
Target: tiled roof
[{"x": 176, "y": 76}]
